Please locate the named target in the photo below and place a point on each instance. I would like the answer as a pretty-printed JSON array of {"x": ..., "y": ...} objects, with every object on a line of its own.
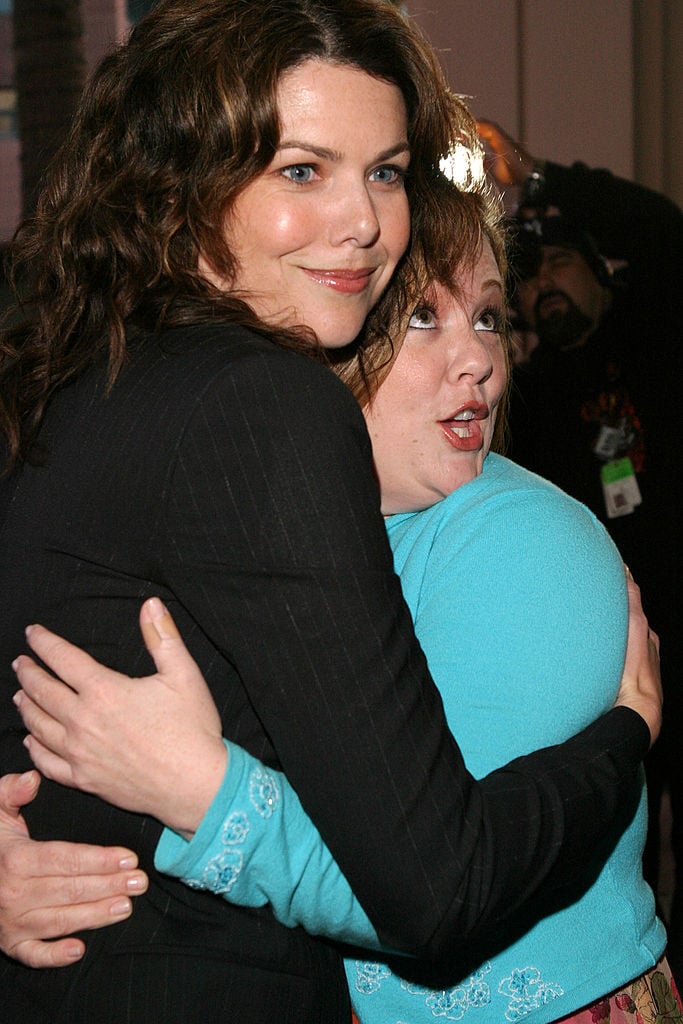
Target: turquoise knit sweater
[{"x": 519, "y": 602}]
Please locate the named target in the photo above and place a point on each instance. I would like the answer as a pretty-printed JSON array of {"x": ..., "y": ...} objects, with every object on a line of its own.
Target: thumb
[
  {"x": 18, "y": 790},
  {"x": 163, "y": 641}
]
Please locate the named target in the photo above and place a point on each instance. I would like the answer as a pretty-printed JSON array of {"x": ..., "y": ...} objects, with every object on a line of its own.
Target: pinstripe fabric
[{"x": 234, "y": 480}]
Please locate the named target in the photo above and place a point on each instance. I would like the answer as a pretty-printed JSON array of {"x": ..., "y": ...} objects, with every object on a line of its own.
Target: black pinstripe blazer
[{"x": 234, "y": 480}]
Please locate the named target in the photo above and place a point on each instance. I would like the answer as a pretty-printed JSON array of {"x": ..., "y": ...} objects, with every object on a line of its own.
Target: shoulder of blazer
[{"x": 186, "y": 367}]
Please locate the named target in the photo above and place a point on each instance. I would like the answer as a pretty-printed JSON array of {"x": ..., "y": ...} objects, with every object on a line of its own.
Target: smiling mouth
[{"x": 347, "y": 282}]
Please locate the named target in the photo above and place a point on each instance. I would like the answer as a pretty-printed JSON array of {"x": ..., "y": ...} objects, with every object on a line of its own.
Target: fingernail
[
  {"x": 75, "y": 952},
  {"x": 162, "y": 626},
  {"x": 127, "y": 862},
  {"x": 30, "y": 778},
  {"x": 16, "y": 698},
  {"x": 156, "y": 608},
  {"x": 134, "y": 884},
  {"x": 122, "y": 906}
]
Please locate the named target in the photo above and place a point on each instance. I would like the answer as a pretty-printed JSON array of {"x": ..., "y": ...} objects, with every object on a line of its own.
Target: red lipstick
[{"x": 463, "y": 430}]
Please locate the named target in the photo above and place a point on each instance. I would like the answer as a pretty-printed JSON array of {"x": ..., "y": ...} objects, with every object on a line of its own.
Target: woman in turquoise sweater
[{"x": 532, "y": 589}]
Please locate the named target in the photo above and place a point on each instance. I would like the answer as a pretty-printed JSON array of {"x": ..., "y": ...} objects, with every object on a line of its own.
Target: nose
[
  {"x": 354, "y": 217},
  {"x": 544, "y": 277},
  {"x": 471, "y": 357}
]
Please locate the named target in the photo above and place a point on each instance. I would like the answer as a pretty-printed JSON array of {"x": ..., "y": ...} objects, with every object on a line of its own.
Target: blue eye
[
  {"x": 388, "y": 175},
  {"x": 300, "y": 174},
  {"x": 423, "y": 319}
]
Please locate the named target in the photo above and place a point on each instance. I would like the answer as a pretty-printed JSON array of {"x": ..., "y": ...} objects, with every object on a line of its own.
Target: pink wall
[
  {"x": 104, "y": 25},
  {"x": 557, "y": 74}
]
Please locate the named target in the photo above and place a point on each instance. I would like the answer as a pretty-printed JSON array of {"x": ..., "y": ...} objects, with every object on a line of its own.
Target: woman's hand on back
[
  {"x": 50, "y": 889},
  {"x": 641, "y": 682},
  {"x": 150, "y": 745}
]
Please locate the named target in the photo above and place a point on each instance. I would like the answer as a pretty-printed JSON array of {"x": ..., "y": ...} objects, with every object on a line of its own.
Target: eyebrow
[
  {"x": 492, "y": 283},
  {"x": 333, "y": 154}
]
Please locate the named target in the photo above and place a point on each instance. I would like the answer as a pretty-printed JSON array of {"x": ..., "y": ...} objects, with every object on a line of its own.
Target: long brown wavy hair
[
  {"x": 450, "y": 226},
  {"x": 175, "y": 123}
]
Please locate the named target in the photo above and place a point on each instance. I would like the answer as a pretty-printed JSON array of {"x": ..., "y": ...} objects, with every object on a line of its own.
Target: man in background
[{"x": 597, "y": 284}]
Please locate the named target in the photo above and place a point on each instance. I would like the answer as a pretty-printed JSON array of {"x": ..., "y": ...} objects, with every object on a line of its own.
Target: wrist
[{"x": 186, "y": 815}]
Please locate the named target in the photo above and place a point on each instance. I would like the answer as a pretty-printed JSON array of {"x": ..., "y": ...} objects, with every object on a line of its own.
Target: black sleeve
[
  {"x": 282, "y": 556},
  {"x": 629, "y": 222}
]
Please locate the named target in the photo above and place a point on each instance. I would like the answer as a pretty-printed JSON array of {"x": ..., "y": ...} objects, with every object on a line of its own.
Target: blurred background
[{"x": 593, "y": 80}]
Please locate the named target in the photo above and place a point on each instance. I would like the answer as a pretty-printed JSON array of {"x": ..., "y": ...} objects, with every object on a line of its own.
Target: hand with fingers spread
[
  {"x": 641, "y": 682},
  {"x": 101, "y": 732},
  {"x": 51, "y": 889}
]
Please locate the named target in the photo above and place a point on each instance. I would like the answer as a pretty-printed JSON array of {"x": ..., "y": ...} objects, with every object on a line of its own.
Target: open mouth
[
  {"x": 463, "y": 430},
  {"x": 462, "y": 426}
]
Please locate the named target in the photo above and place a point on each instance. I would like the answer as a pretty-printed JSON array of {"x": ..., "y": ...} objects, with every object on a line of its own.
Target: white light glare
[{"x": 463, "y": 166}]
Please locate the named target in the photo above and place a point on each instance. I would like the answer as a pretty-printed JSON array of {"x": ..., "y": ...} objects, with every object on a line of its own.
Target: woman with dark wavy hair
[{"x": 235, "y": 195}]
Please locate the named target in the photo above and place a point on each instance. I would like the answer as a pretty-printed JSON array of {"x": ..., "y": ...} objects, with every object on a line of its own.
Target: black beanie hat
[{"x": 550, "y": 227}]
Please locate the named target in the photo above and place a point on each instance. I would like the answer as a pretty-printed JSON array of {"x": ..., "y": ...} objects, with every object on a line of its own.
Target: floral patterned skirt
[{"x": 651, "y": 999}]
